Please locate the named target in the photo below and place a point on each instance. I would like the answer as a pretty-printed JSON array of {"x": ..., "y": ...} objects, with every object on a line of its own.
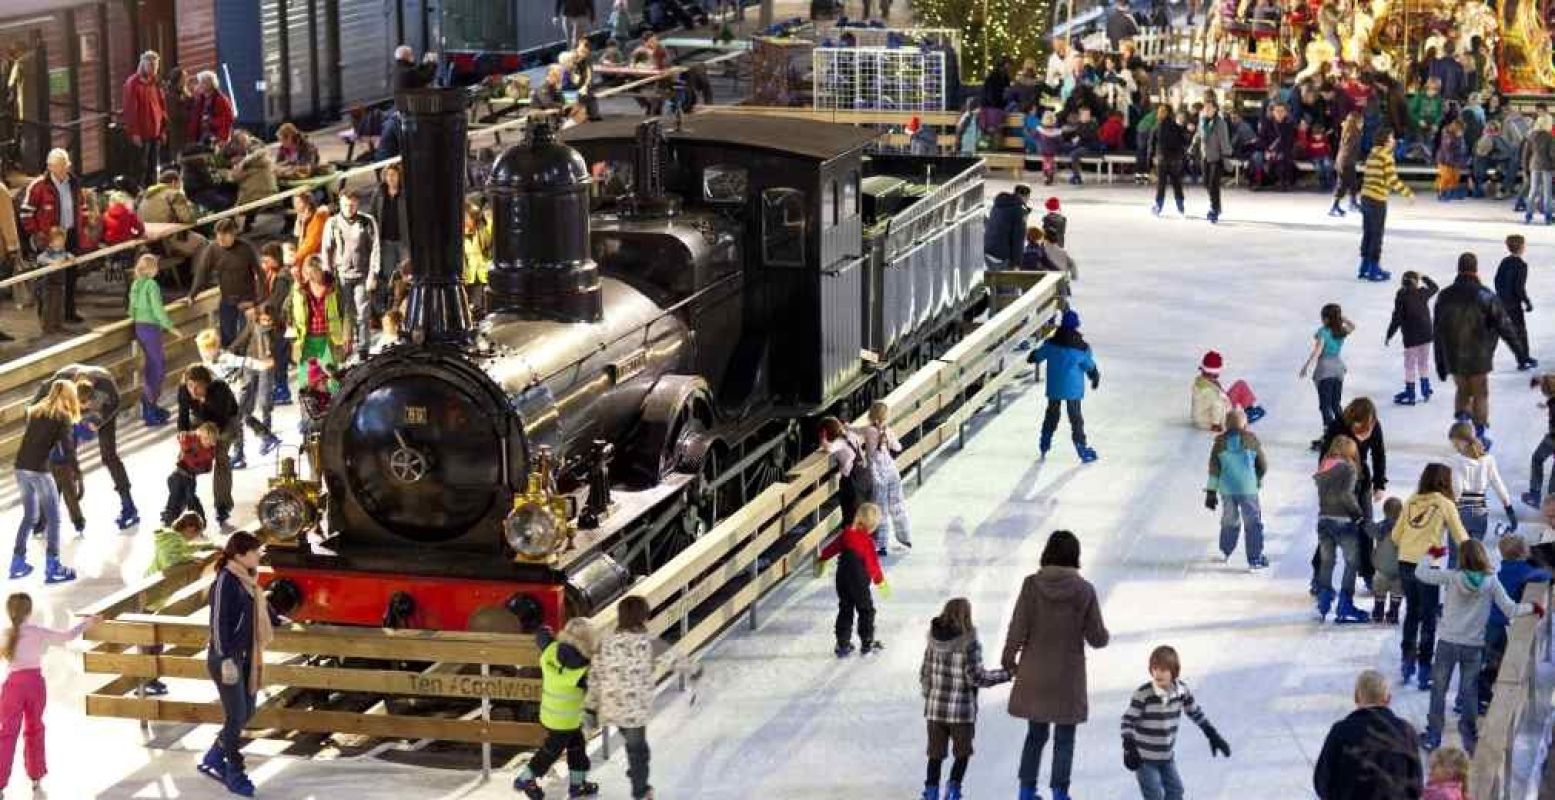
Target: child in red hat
[
  {"x": 1211, "y": 401},
  {"x": 1054, "y": 223}
]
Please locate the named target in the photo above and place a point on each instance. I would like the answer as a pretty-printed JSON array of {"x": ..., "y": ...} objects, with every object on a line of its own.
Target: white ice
[{"x": 776, "y": 715}]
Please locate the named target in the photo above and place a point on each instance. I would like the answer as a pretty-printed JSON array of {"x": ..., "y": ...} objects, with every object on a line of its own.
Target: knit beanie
[
  {"x": 1052, "y": 204},
  {"x": 1070, "y": 321},
  {"x": 1211, "y": 363}
]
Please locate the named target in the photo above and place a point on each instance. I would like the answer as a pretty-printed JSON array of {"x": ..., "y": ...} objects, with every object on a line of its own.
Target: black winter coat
[
  {"x": 1171, "y": 142},
  {"x": 1005, "y": 236},
  {"x": 1512, "y": 282},
  {"x": 1469, "y": 320},
  {"x": 105, "y": 392},
  {"x": 1369, "y": 755},
  {"x": 1412, "y": 313},
  {"x": 1373, "y": 453}
]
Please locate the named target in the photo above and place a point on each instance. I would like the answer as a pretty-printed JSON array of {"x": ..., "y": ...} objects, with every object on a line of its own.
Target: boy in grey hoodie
[{"x": 1460, "y": 644}]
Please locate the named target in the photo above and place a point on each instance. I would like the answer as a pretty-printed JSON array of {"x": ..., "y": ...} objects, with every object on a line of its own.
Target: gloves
[
  {"x": 1095, "y": 380},
  {"x": 1527, "y": 305},
  {"x": 1436, "y": 551},
  {"x": 1217, "y": 744},
  {"x": 884, "y": 587},
  {"x": 1538, "y": 610},
  {"x": 1211, "y": 500},
  {"x": 1130, "y": 755},
  {"x": 1511, "y": 518},
  {"x": 1387, "y": 341},
  {"x": 229, "y": 672},
  {"x": 821, "y": 565}
]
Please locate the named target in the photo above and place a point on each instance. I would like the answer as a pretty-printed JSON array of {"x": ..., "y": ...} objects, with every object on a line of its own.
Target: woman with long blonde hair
[{"x": 50, "y": 424}]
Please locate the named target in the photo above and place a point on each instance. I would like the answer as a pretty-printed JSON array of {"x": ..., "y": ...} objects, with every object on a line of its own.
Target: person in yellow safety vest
[
  {"x": 477, "y": 257},
  {"x": 564, "y": 668}
]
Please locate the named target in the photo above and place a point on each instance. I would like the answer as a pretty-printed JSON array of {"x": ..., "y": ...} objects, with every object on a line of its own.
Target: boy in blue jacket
[
  {"x": 1236, "y": 469},
  {"x": 1069, "y": 364},
  {"x": 1515, "y": 574}
]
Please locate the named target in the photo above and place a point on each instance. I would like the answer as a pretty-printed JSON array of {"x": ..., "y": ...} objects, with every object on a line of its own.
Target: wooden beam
[{"x": 328, "y": 640}]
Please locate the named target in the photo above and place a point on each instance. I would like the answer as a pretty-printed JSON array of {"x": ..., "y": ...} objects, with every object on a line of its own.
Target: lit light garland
[{"x": 1014, "y": 29}]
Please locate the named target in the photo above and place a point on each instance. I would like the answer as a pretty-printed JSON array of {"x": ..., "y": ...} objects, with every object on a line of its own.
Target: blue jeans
[
  {"x": 637, "y": 760},
  {"x": 1329, "y": 393},
  {"x": 229, "y": 321},
  {"x": 40, "y": 499},
  {"x": 1158, "y": 780},
  {"x": 1031, "y": 753},
  {"x": 1333, "y": 535},
  {"x": 1238, "y": 512},
  {"x": 1539, "y": 191},
  {"x": 1476, "y": 523},
  {"x": 237, "y": 706},
  {"x": 1325, "y": 172},
  {"x": 1466, "y": 660}
]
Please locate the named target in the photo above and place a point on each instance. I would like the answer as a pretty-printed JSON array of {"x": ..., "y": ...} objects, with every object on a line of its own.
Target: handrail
[{"x": 1528, "y": 640}]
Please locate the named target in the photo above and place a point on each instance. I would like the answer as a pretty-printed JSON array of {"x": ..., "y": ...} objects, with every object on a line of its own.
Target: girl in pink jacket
[{"x": 23, "y": 697}]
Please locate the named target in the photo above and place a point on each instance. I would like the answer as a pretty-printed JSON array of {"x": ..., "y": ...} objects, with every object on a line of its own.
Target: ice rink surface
[{"x": 776, "y": 715}]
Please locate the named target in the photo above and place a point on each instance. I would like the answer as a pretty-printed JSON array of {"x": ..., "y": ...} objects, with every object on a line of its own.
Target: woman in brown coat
[{"x": 1056, "y": 616}]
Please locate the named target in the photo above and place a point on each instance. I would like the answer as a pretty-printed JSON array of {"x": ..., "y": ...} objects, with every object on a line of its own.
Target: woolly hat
[
  {"x": 914, "y": 124},
  {"x": 1052, "y": 204},
  {"x": 1211, "y": 363},
  {"x": 1070, "y": 321},
  {"x": 316, "y": 371}
]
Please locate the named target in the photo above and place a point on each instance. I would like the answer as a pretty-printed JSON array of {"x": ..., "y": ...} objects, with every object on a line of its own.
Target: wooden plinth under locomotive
[{"x": 666, "y": 308}]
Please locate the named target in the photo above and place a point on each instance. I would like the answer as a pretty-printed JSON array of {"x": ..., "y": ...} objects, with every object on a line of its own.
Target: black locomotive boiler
[{"x": 668, "y": 302}]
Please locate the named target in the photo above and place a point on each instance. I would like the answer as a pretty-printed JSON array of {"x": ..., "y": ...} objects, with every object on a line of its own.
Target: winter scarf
[{"x": 264, "y": 633}]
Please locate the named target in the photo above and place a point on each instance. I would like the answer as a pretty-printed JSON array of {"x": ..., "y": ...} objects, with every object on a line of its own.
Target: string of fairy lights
[{"x": 991, "y": 29}]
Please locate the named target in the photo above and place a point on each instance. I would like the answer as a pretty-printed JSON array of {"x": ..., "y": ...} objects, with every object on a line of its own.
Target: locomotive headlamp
[
  {"x": 539, "y": 527},
  {"x": 290, "y": 508}
]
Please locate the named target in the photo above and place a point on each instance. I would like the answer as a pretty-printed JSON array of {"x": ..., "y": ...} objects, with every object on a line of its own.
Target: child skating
[
  {"x": 1512, "y": 289},
  {"x": 1460, "y": 641},
  {"x": 1340, "y": 525},
  {"x": 1412, "y": 317},
  {"x": 1236, "y": 470},
  {"x": 1474, "y": 474},
  {"x": 1533, "y": 498},
  {"x": 881, "y": 445},
  {"x": 1150, "y": 728},
  {"x": 24, "y": 696},
  {"x": 1070, "y": 362},
  {"x": 951, "y": 673},
  {"x": 1387, "y": 588},
  {"x": 1325, "y": 363},
  {"x": 1380, "y": 181},
  {"x": 623, "y": 684},
  {"x": 564, "y": 669},
  {"x": 857, "y": 568}
]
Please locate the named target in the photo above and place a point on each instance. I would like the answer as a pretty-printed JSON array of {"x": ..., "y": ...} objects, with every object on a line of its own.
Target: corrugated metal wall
[
  {"x": 197, "y": 35},
  {"x": 535, "y": 27},
  {"x": 366, "y": 38},
  {"x": 300, "y": 66},
  {"x": 89, "y": 84}
]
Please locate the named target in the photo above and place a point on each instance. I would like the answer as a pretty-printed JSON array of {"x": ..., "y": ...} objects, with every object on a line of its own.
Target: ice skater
[
  {"x": 1325, "y": 363},
  {"x": 1340, "y": 526},
  {"x": 1546, "y": 448},
  {"x": 1386, "y": 586},
  {"x": 1426, "y": 513},
  {"x": 856, "y": 479},
  {"x": 858, "y": 567},
  {"x": 1212, "y": 401},
  {"x": 1474, "y": 473},
  {"x": 242, "y": 624},
  {"x": 564, "y": 669},
  {"x": 623, "y": 684},
  {"x": 1070, "y": 362},
  {"x": 196, "y": 456},
  {"x": 1512, "y": 289},
  {"x": 24, "y": 695},
  {"x": 1460, "y": 645},
  {"x": 1412, "y": 318},
  {"x": 881, "y": 444},
  {"x": 1150, "y": 728},
  {"x": 1380, "y": 181},
  {"x": 50, "y": 424},
  {"x": 951, "y": 673},
  {"x": 1346, "y": 160},
  {"x": 1236, "y": 470}
]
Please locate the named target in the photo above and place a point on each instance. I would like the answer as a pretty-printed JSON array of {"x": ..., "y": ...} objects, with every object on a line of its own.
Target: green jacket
[
  {"x": 562, "y": 691},
  {"x": 172, "y": 549},
  {"x": 1425, "y": 111},
  {"x": 337, "y": 327},
  {"x": 146, "y": 304}
]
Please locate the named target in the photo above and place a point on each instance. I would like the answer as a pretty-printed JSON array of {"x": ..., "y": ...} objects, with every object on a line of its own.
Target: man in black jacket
[
  {"x": 1512, "y": 289},
  {"x": 99, "y": 396},
  {"x": 1370, "y": 754},
  {"x": 1469, "y": 321},
  {"x": 1170, "y": 144},
  {"x": 240, "y": 281},
  {"x": 203, "y": 398},
  {"x": 1004, "y": 238}
]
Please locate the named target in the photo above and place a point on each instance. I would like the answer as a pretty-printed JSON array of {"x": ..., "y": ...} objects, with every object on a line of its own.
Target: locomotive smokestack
[
  {"x": 434, "y": 130},
  {"x": 541, "y": 267}
]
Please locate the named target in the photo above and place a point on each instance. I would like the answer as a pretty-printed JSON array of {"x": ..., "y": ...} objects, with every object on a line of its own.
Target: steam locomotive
[{"x": 668, "y": 303}]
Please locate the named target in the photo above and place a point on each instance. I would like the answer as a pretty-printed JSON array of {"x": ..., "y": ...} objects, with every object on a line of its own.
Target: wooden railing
[
  {"x": 709, "y": 585},
  {"x": 1516, "y": 696}
]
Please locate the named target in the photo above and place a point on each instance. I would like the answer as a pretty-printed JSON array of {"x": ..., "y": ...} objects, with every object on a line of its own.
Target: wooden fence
[
  {"x": 1517, "y": 696},
  {"x": 709, "y": 585}
]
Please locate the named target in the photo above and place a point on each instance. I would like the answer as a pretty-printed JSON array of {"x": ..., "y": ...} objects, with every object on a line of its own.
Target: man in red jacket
[
  {"x": 52, "y": 200},
  {"x": 144, "y": 114}
]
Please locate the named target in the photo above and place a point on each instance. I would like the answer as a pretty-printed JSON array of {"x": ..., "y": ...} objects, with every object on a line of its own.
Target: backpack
[{"x": 862, "y": 478}]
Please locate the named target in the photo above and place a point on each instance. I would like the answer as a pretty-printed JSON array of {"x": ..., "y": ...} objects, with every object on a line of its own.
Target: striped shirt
[
  {"x": 1152, "y": 717},
  {"x": 1381, "y": 177}
]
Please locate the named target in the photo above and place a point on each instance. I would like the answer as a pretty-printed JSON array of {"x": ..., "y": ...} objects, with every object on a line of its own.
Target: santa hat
[
  {"x": 1052, "y": 204},
  {"x": 914, "y": 124},
  {"x": 315, "y": 372},
  {"x": 1211, "y": 363}
]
